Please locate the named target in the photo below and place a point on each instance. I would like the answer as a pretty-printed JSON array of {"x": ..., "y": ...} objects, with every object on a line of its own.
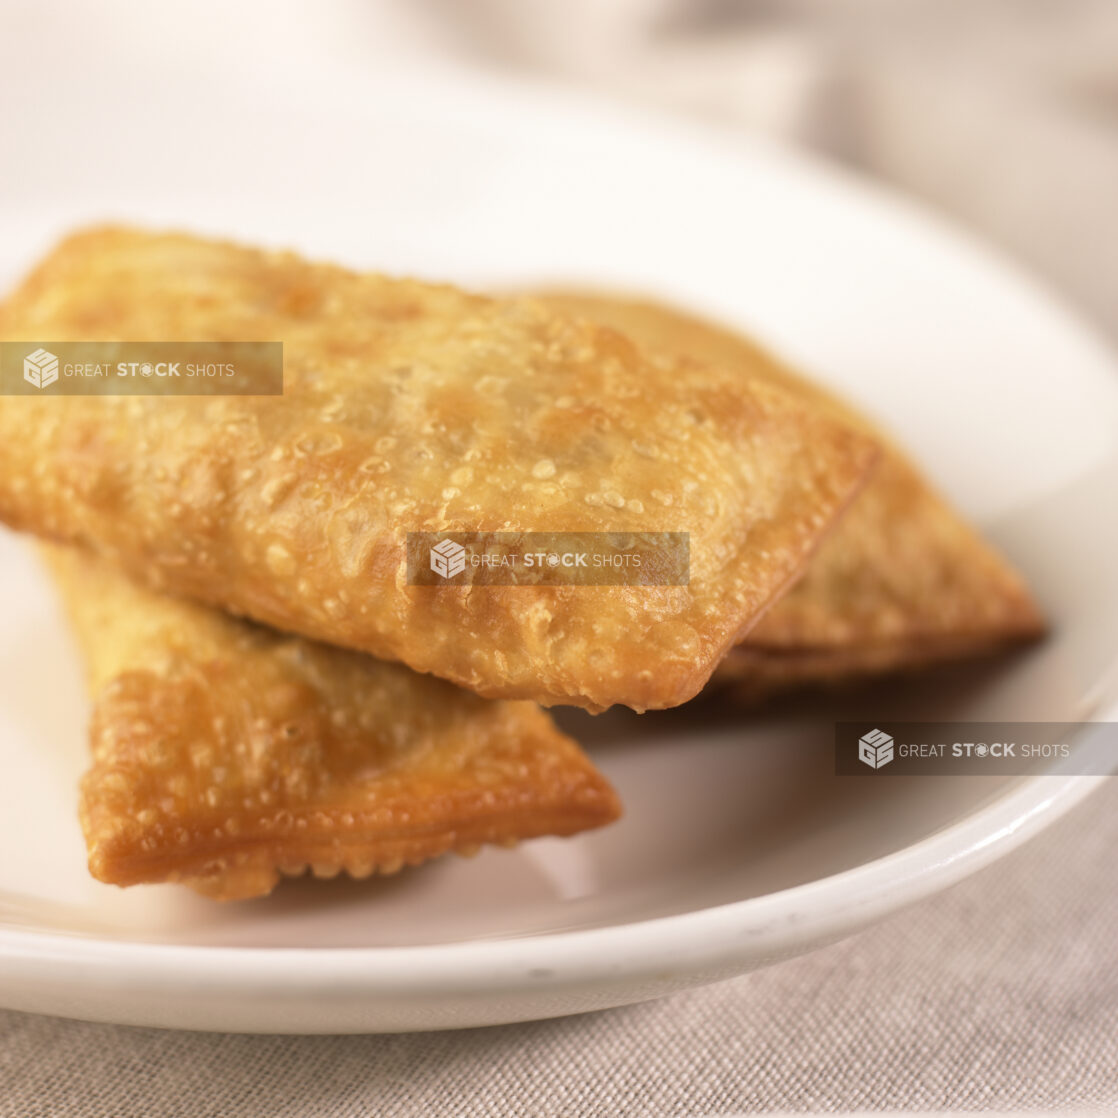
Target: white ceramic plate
[{"x": 740, "y": 846}]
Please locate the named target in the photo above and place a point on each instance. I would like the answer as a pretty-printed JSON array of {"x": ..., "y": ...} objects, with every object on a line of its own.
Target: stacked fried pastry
[
  {"x": 901, "y": 582},
  {"x": 270, "y": 693}
]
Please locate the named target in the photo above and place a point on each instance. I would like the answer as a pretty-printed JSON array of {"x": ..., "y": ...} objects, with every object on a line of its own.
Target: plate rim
[{"x": 917, "y": 870}]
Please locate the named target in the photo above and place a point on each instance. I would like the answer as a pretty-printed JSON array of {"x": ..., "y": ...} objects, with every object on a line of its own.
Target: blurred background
[{"x": 1003, "y": 114}]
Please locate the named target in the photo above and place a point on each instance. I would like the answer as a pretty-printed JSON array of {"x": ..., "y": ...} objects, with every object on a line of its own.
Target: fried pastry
[
  {"x": 902, "y": 582},
  {"x": 414, "y": 408},
  {"x": 225, "y": 754}
]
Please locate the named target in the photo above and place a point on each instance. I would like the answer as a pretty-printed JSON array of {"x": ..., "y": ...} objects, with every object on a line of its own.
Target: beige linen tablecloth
[{"x": 1001, "y": 993}]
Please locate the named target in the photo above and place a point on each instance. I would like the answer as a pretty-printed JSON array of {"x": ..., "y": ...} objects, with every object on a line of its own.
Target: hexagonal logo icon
[
  {"x": 448, "y": 558},
  {"x": 875, "y": 749},
  {"x": 40, "y": 368}
]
